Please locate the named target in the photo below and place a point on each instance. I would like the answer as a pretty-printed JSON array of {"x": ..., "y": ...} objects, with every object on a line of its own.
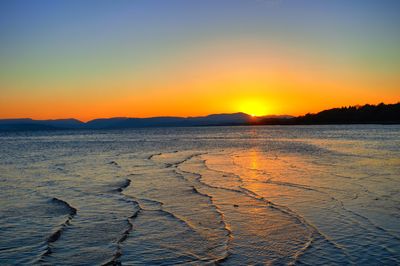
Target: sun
[{"x": 254, "y": 107}]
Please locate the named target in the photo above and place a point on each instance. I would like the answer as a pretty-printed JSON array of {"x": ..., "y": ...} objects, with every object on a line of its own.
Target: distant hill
[
  {"x": 125, "y": 122},
  {"x": 367, "y": 114},
  {"x": 210, "y": 120},
  {"x": 30, "y": 124}
]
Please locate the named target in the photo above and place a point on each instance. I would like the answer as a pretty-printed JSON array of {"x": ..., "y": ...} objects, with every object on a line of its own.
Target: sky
[{"x": 140, "y": 58}]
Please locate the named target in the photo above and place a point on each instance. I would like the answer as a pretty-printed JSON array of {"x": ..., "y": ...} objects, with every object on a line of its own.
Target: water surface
[{"x": 313, "y": 195}]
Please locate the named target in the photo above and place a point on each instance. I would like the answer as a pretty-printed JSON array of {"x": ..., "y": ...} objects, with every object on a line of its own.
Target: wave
[
  {"x": 114, "y": 260},
  {"x": 153, "y": 155},
  {"x": 225, "y": 225},
  {"x": 71, "y": 212},
  {"x": 123, "y": 185},
  {"x": 160, "y": 209},
  {"x": 188, "y": 158},
  {"x": 223, "y": 222},
  {"x": 114, "y": 163},
  {"x": 175, "y": 164}
]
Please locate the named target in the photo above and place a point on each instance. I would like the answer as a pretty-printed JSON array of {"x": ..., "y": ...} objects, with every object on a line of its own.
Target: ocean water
[{"x": 267, "y": 195}]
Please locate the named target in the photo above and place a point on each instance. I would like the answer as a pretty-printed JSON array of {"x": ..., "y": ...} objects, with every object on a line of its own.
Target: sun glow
[{"x": 254, "y": 107}]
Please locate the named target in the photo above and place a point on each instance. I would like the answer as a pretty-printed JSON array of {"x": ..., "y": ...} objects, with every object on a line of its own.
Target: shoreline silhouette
[{"x": 366, "y": 114}]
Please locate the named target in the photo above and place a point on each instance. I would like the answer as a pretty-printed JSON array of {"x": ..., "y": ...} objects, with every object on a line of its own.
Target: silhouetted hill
[
  {"x": 210, "y": 120},
  {"x": 124, "y": 122},
  {"x": 105, "y": 122},
  {"x": 30, "y": 124},
  {"x": 367, "y": 114}
]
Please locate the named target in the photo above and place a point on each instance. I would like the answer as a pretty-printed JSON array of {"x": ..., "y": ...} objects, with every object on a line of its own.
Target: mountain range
[
  {"x": 126, "y": 122},
  {"x": 367, "y": 114}
]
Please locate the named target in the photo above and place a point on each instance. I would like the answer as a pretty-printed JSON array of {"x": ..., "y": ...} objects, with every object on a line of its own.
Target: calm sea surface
[{"x": 313, "y": 195}]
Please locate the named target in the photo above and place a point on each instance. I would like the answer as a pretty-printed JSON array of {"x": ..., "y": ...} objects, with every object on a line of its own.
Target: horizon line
[{"x": 192, "y": 116}]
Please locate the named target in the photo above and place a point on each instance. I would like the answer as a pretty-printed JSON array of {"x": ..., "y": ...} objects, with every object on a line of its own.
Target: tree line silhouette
[{"x": 366, "y": 114}]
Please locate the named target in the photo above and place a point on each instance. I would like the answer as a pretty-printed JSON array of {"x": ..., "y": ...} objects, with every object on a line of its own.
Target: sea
[{"x": 252, "y": 195}]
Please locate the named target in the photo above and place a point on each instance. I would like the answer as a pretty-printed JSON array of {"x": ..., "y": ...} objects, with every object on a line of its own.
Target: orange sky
[{"x": 216, "y": 80}]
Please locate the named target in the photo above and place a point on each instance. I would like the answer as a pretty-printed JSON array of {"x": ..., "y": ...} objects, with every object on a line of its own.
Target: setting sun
[{"x": 254, "y": 107}]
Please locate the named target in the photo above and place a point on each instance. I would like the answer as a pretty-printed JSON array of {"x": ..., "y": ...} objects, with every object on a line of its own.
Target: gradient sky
[{"x": 140, "y": 58}]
